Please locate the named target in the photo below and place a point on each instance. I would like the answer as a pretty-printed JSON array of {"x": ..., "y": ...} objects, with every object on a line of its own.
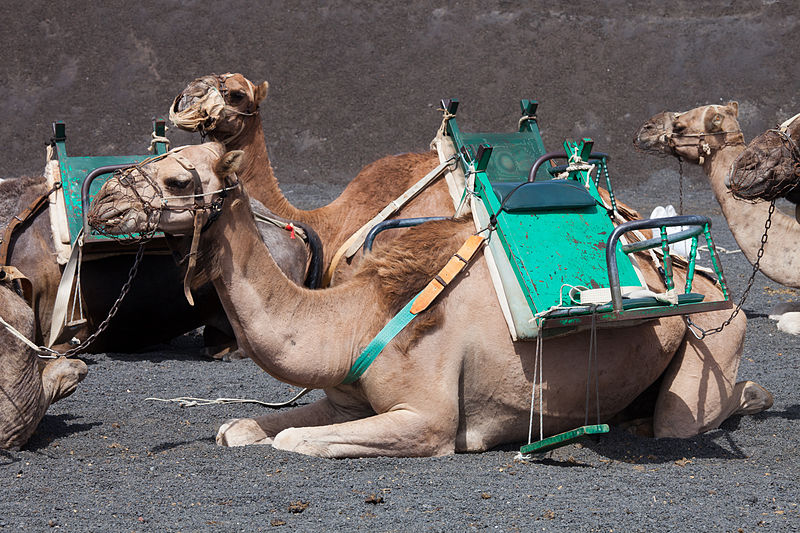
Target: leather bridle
[{"x": 199, "y": 206}]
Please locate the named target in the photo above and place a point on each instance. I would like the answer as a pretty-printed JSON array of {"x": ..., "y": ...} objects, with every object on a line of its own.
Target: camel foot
[
  {"x": 790, "y": 323},
  {"x": 241, "y": 432},
  {"x": 295, "y": 440},
  {"x": 778, "y": 310},
  {"x": 753, "y": 398}
]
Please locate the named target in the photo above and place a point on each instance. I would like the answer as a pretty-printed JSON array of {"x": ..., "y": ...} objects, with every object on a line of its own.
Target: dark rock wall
[{"x": 351, "y": 81}]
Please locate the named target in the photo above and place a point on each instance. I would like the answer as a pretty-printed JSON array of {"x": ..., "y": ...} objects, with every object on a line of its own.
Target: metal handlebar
[{"x": 611, "y": 246}]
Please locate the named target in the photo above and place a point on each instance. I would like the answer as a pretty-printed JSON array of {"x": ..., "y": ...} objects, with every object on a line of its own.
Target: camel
[
  {"x": 439, "y": 387},
  {"x": 26, "y": 391},
  {"x": 769, "y": 167},
  {"x": 155, "y": 309},
  {"x": 226, "y": 109},
  {"x": 711, "y": 137}
]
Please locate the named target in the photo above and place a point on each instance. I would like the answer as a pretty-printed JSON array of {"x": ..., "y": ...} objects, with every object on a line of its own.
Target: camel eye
[
  {"x": 236, "y": 97},
  {"x": 178, "y": 183}
]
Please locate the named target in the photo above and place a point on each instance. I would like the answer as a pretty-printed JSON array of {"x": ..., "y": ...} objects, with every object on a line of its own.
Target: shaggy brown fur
[
  {"x": 16, "y": 194},
  {"x": 398, "y": 272}
]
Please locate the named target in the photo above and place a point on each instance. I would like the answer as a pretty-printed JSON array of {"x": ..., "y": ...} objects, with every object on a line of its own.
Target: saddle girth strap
[
  {"x": 418, "y": 304},
  {"x": 29, "y": 212},
  {"x": 453, "y": 267}
]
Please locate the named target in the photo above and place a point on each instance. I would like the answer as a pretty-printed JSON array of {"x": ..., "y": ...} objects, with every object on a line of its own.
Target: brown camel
[
  {"x": 711, "y": 137},
  {"x": 154, "y": 310},
  {"x": 26, "y": 390},
  {"x": 769, "y": 167},
  {"x": 439, "y": 387},
  {"x": 226, "y": 109}
]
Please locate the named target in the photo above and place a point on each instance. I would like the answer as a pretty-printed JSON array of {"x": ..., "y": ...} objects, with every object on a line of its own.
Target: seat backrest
[{"x": 553, "y": 195}]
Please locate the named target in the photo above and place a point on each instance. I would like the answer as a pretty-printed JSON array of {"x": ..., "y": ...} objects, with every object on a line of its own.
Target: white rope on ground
[{"x": 189, "y": 401}]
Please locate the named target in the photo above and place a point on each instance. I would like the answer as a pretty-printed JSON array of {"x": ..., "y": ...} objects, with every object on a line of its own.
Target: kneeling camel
[{"x": 453, "y": 381}]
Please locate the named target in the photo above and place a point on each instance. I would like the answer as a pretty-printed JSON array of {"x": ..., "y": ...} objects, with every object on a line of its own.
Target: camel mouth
[
  {"x": 198, "y": 107},
  {"x": 112, "y": 216}
]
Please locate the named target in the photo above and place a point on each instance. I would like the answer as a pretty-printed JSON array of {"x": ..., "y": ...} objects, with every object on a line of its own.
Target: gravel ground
[{"x": 108, "y": 459}]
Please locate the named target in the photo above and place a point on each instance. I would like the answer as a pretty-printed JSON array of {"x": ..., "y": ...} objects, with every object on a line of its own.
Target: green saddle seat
[{"x": 550, "y": 195}]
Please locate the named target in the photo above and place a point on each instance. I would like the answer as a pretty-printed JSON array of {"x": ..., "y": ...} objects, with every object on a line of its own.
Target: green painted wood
[
  {"x": 563, "y": 439},
  {"x": 553, "y": 249},
  {"x": 74, "y": 170}
]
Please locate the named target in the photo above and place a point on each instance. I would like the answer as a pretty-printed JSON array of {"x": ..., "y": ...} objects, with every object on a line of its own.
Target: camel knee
[{"x": 241, "y": 432}]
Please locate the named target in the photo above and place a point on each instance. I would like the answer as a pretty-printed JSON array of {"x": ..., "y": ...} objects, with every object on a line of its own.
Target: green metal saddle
[
  {"x": 82, "y": 176},
  {"x": 554, "y": 232}
]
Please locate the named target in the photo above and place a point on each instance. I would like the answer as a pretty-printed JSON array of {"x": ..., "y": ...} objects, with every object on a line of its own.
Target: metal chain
[
  {"x": 113, "y": 311},
  {"x": 680, "y": 184},
  {"x": 705, "y": 333}
]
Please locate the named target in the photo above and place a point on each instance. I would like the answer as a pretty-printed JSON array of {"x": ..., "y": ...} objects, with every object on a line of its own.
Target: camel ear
[
  {"x": 261, "y": 92},
  {"x": 229, "y": 163},
  {"x": 734, "y": 107}
]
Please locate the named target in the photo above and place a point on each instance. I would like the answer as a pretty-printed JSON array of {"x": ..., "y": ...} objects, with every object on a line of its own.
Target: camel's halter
[
  {"x": 204, "y": 114},
  {"x": 728, "y": 138},
  {"x": 203, "y": 213}
]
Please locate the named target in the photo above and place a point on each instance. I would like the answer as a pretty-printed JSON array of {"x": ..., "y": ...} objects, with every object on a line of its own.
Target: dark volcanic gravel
[{"x": 352, "y": 81}]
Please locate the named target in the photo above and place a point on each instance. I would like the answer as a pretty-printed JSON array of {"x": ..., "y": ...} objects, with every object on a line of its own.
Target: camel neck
[
  {"x": 26, "y": 389},
  {"x": 279, "y": 324},
  {"x": 257, "y": 173},
  {"x": 746, "y": 221}
]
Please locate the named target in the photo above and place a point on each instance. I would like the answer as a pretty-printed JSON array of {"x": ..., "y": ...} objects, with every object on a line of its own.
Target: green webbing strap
[{"x": 389, "y": 331}]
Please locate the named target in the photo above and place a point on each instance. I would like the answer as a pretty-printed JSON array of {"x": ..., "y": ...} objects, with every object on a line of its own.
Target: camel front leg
[
  {"x": 262, "y": 429},
  {"x": 396, "y": 433},
  {"x": 699, "y": 390}
]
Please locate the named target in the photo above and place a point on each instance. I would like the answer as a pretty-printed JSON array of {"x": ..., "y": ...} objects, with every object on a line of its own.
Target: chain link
[
  {"x": 113, "y": 311},
  {"x": 680, "y": 184},
  {"x": 705, "y": 333}
]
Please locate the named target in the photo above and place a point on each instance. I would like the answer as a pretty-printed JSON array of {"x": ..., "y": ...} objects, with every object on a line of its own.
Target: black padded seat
[{"x": 550, "y": 195}]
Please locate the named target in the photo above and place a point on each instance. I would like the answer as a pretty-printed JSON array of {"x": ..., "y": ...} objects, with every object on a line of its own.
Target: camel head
[
  {"x": 26, "y": 390},
  {"x": 691, "y": 135},
  {"x": 769, "y": 167},
  {"x": 165, "y": 193},
  {"x": 218, "y": 106}
]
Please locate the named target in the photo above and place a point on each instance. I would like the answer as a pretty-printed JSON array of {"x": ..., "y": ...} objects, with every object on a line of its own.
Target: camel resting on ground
[
  {"x": 27, "y": 388},
  {"x": 711, "y": 137},
  {"x": 154, "y": 311},
  {"x": 453, "y": 381},
  {"x": 225, "y": 109}
]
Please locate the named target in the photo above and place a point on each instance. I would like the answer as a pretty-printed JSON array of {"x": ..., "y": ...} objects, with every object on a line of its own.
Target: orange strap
[{"x": 453, "y": 267}]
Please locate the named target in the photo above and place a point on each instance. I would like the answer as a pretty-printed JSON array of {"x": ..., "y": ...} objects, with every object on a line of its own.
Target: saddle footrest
[
  {"x": 562, "y": 439},
  {"x": 627, "y": 304}
]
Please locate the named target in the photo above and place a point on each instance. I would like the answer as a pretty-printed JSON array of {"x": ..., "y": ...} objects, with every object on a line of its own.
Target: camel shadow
[
  {"x": 54, "y": 427},
  {"x": 166, "y": 446},
  {"x": 792, "y": 412},
  {"x": 8, "y": 458}
]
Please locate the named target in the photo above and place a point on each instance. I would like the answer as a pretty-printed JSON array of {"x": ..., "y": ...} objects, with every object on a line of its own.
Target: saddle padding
[{"x": 551, "y": 195}]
